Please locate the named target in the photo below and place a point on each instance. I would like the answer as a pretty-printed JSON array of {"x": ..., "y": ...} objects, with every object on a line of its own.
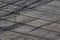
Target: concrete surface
[{"x": 21, "y": 20}]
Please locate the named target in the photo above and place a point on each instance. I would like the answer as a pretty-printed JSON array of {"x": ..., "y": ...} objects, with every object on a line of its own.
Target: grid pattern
[{"x": 29, "y": 20}]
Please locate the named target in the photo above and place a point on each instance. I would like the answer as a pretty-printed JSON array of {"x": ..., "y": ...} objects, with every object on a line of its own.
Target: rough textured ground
[{"x": 29, "y": 20}]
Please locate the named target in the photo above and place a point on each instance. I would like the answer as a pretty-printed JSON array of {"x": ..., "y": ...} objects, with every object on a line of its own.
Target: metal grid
[{"x": 29, "y": 20}]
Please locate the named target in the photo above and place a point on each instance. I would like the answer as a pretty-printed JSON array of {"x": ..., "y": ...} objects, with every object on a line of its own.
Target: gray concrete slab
[
  {"x": 23, "y": 29},
  {"x": 38, "y": 21},
  {"x": 7, "y": 35},
  {"x": 4, "y": 24},
  {"x": 43, "y": 15},
  {"x": 21, "y": 18},
  {"x": 24, "y": 37},
  {"x": 39, "y": 32},
  {"x": 3, "y": 13}
]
